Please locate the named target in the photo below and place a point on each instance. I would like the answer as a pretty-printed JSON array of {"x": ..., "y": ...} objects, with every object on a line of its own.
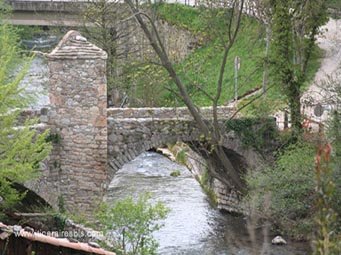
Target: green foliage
[
  {"x": 204, "y": 181},
  {"x": 290, "y": 184},
  {"x": 200, "y": 69},
  {"x": 28, "y": 32},
  {"x": 295, "y": 26},
  {"x": 334, "y": 136},
  {"x": 130, "y": 224},
  {"x": 61, "y": 204},
  {"x": 336, "y": 4},
  {"x": 182, "y": 16},
  {"x": 254, "y": 132},
  {"x": 60, "y": 221},
  {"x": 21, "y": 149},
  {"x": 54, "y": 138},
  {"x": 181, "y": 156},
  {"x": 142, "y": 81}
]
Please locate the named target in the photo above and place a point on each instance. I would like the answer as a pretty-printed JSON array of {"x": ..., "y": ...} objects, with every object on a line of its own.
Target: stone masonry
[
  {"x": 78, "y": 116},
  {"x": 132, "y": 131}
]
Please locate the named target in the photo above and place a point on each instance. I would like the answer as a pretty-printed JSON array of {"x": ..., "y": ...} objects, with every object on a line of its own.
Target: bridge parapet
[
  {"x": 224, "y": 112},
  {"x": 45, "y": 6}
]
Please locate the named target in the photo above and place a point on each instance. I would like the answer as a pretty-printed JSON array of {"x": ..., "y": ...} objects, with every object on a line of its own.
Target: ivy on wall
[{"x": 257, "y": 133}]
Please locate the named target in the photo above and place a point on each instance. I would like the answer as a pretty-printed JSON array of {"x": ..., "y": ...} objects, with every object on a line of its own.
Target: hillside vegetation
[{"x": 201, "y": 68}]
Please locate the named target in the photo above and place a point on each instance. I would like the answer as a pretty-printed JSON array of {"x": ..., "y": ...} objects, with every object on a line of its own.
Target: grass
[
  {"x": 201, "y": 67},
  {"x": 275, "y": 99},
  {"x": 182, "y": 16}
]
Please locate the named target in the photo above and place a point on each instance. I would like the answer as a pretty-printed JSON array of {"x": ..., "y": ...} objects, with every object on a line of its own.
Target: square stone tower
[{"x": 77, "y": 73}]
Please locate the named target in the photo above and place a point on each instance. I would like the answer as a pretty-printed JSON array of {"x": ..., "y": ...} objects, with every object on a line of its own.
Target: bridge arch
[
  {"x": 130, "y": 134},
  {"x": 129, "y": 137},
  {"x": 133, "y": 131}
]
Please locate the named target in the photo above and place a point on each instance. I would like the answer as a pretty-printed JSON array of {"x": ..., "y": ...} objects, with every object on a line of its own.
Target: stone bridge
[
  {"x": 46, "y": 12},
  {"x": 90, "y": 141},
  {"x": 62, "y": 12},
  {"x": 132, "y": 131}
]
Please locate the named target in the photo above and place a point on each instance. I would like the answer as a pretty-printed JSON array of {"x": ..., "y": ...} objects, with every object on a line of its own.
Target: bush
[
  {"x": 334, "y": 135},
  {"x": 254, "y": 132},
  {"x": 130, "y": 224},
  {"x": 290, "y": 184}
]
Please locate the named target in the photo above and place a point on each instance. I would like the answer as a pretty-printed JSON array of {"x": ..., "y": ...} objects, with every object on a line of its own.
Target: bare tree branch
[{"x": 212, "y": 134}]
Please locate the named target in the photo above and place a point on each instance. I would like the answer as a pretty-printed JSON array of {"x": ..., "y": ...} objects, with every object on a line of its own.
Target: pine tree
[{"x": 21, "y": 148}]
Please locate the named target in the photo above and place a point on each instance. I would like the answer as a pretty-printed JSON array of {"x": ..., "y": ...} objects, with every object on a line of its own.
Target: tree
[
  {"x": 130, "y": 224},
  {"x": 105, "y": 23},
  {"x": 212, "y": 136},
  {"x": 21, "y": 148},
  {"x": 261, "y": 9},
  {"x": 295, "y": 26}
]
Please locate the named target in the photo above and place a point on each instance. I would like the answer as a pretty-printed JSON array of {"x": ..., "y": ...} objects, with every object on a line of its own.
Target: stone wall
[
  {"x": 78, "y": 163},
  {"x": 227, "y": 199},
  {"x": 224, "y": 112},
  {"x": 178, "y": 43}
]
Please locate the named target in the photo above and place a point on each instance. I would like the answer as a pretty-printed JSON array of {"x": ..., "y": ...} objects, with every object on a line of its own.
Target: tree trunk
[
  {"x": 211, "y": 133},
  {"x": 295, "y": 109}
]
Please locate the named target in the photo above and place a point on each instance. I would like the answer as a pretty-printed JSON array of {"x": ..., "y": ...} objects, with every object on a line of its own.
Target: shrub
[
  {"x": 130, "y": 224},
  {"x": 291, "y": 185}
]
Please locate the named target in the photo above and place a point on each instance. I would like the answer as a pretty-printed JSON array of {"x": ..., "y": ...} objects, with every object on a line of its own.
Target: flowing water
[{"x": 192, "y": 226}]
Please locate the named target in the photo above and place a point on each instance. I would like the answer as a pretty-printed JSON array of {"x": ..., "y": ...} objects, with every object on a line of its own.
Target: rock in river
[{"x": 278, "y": 240}]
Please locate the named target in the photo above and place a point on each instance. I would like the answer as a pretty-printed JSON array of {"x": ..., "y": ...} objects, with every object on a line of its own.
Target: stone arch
[
  {"x": 128, "y": 138},
  {"x": 117, "y": 159}
]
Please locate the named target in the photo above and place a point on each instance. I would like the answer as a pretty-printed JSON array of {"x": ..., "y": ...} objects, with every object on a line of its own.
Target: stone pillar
[{"x": 77, "y": 72}]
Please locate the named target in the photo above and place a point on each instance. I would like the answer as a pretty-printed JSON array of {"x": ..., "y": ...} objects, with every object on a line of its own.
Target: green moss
[
  {"x": 175, "y": 173},
  {"x": 254, "y": 132},
  {"x": 204, "y": 181}
]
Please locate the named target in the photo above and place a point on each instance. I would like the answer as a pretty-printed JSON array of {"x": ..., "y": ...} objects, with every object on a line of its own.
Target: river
[{"x": 192, "y": 226}]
